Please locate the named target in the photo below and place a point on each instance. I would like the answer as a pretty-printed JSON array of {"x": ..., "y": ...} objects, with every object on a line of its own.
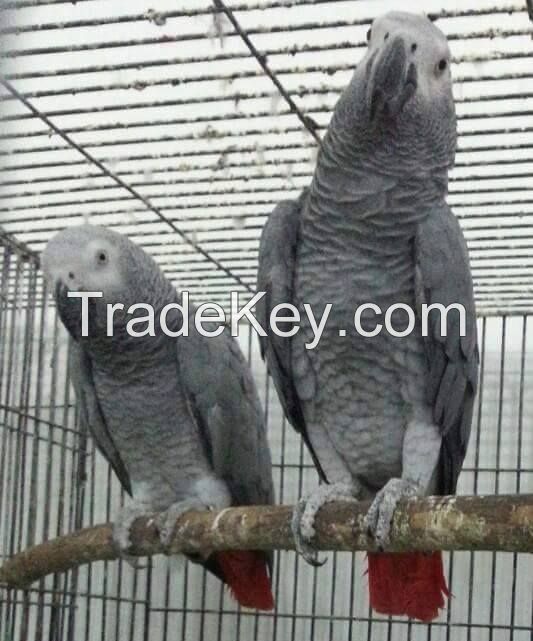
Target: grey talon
[
  {"x": 303, "y": 548},
  {"x": 381, "y": 512},
  {"x": 305, "y": 511}
]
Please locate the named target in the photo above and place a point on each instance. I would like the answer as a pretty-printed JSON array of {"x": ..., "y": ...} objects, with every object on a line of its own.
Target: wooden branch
[{"x": 500, "y": 523}]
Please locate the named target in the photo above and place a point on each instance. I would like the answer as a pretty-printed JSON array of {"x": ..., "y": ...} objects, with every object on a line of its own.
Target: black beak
[
  {"x": 69, "y": 310},
  {"x": 391, "y": 80}
]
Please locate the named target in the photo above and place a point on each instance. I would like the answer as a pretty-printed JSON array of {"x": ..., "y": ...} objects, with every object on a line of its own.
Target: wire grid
[
  {"x": 52, "y": 481},
  {"x": 170, "y": 101},
  {"x": 192, "y": 137}
]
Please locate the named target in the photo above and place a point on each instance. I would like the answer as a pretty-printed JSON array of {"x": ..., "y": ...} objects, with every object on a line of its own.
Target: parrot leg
[
  {"x": 166, "y": 521},
  {"x": 420, "y": 455},
  {"x": 379, "y": 516},
  {"x": 305, "y": 511}
]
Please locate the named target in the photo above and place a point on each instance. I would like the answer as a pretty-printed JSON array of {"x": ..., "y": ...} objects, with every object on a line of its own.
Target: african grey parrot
[
  {"x": 178, "y": 418},
  {"x": 384, "y": 417}
]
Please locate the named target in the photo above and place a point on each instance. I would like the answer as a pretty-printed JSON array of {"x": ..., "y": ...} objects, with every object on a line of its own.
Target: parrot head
[
  {"x": 89, "y": 258},
  {"x": 403, "y": 88}
]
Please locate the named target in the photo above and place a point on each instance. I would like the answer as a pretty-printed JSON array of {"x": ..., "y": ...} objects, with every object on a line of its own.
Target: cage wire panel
[{"x": 155, "y": 119}]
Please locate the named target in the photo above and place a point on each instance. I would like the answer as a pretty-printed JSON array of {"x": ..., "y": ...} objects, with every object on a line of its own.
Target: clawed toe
[
  {"x": 305, "y": 511},
  {"x": 121, "y": 532},
  {"x": 166, "y": 521},
  {"x": 371, "y": 518},
  {"x": 379, "y": 517},
  {"x": 302, "y": 544},
  {"x": 165, "y": 526}
]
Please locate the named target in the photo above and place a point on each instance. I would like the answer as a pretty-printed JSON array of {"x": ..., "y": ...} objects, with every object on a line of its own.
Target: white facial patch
[
  {"x": 425, "y": 45},
  {"x": 101, "y": 276}
]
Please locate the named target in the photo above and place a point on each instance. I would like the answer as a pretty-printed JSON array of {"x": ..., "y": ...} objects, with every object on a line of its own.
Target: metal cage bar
[{"x": 161, "y": 125}]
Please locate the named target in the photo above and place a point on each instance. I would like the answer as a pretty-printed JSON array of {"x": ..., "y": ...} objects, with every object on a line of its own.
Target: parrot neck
[
  {"x": 144, "y": 345},
  {"x": 355, "y": 184},
  {"x": 415, "y": 142},
  {"x": 122, "y": 349}
]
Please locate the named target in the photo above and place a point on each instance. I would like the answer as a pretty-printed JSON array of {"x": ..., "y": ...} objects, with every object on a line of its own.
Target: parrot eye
[
  {"x": 101, "y": 257},
  {"x": 441, "y": 65}
]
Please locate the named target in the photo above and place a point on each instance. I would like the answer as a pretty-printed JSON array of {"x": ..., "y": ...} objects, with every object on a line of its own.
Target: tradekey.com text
[{"x": 144, "y": 319}]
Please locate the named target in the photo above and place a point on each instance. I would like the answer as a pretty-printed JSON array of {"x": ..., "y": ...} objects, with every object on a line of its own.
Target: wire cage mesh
[{"x": 157, "y": 121}]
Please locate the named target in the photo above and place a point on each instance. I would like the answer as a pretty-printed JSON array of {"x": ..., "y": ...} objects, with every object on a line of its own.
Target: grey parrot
[
  {"x": 384, "y": 416},
  {"x": 177, "y": 417}
]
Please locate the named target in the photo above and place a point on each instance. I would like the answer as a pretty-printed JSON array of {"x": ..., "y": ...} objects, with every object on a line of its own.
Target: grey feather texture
[
  {"x": 453, "y": 360},
  {"x": 275, "y": 277},
  {"x": 374, "y": 227},
  {"x": 178, "y": 418},
  {"x": 223, "y": 397},
  {"x": 90, "y": 412}
]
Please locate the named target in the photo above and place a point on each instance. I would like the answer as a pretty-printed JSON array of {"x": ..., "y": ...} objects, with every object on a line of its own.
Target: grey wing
[
  {"x": 443, "y": 276},
  {"x": 90, "y": 412},
  {"x": 224, "y": 401},
  {"x": 275, "y": 276}
]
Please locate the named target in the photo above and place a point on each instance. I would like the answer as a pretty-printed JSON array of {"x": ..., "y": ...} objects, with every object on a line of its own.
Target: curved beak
[
  {"x": 69, "y": 310},
  {"x": 391, "y": 80}
]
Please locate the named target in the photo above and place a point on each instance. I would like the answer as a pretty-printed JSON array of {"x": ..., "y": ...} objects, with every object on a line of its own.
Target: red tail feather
[
  {"x": 247, "y": 577},
  {"x": 410, "y": 584}
]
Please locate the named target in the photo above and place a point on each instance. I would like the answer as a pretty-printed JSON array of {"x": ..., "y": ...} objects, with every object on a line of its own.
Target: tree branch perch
[{"x": 500, "y": 523}]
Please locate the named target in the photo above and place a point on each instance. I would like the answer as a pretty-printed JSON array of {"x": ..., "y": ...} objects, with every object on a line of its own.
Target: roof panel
[{"x": 198, "y": 144}]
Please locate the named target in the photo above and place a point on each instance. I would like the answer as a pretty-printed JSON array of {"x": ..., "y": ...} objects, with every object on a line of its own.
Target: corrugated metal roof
[{"x": 194, "y": 143}]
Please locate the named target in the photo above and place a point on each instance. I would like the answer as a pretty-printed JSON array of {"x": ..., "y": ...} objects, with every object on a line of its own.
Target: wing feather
[
  {"x": 224, "y": 400},
  {"x": 443, "y": 276},
  {"x": 277, "y": 255},
  {"x": 90, "y": 413}
]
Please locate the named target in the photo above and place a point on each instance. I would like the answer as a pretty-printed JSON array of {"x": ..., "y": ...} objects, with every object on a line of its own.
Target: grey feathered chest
[
  {"x": 367, "y": 389},
  {"x": 374, "y": 227},
  {"x": 150, "y": 421}
]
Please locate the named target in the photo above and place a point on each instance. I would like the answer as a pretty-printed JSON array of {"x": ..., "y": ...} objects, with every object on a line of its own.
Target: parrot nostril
[
  {"x": 413, "y": 47},
  {"x": 386, "y": 36}
]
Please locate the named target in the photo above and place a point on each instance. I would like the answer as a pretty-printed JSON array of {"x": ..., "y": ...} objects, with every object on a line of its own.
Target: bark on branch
[{"x": 502, "y": 523}]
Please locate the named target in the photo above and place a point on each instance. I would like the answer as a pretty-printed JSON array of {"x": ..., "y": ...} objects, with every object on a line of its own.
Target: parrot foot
[
  {"x": 305, "y": 511},
  {"x": 166, "y": 521},
  {"x": 378, "y": 519},
  {"x": 121, "y": 532}
]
